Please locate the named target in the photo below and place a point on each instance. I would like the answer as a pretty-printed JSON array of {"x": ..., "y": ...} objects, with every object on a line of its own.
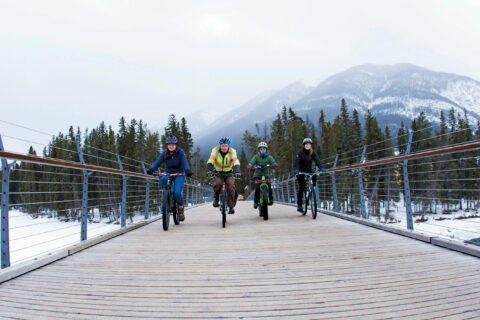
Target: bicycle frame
[
  {"x": 169, "y": 204},
  {"x": 223, "y": 194},
  {"x": 309, "y": 193}
]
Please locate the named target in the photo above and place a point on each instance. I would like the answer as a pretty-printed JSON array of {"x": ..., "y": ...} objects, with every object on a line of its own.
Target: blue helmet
[
  {"x": 224, "y": 140},
  {"x": 171, "y": 139}
]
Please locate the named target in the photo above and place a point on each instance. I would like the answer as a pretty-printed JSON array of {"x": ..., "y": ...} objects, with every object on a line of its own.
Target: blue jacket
[{"x": 176, "y": 164}]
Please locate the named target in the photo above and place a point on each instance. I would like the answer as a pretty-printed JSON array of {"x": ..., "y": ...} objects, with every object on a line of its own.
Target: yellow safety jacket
[{"x": 223, "y": 164}]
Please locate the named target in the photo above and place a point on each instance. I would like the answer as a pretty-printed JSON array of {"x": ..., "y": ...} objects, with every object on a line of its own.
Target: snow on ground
[{"x": 31, "y": 237}]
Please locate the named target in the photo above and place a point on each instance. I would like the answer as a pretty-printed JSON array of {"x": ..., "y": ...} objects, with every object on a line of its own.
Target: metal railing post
[
  {"x": 123, "y": 218},
  {"x": 295, "y": 190},
  {"x": 84, "y": 220},
  {"x": 334, "y": 187},
  {"x": 406, "y": 186},
  {"x": 147, "y": 194},
  {"x": 360, "y": 186},
  {"x": 5, "y": 203},
  {"x": 288, "y": 193}
]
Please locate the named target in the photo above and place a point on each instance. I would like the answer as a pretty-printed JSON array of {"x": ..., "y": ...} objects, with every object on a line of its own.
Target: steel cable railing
[
  {"x": 443, "y": 188},
  {"x": 49, "y": 203}
]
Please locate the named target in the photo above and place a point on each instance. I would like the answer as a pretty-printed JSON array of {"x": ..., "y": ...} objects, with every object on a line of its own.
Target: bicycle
[
  {"x": 169, "y": 205},
  {"x": 264, "y": 198},
  {"x": 309, "y": 194},
  {"x": 223, "y": 194}
]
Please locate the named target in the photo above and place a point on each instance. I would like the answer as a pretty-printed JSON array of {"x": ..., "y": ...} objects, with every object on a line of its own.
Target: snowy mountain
[{"x": 393, "y": 93}]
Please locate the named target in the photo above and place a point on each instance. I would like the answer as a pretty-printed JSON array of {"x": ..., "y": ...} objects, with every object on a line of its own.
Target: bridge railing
[
  {"x": 434, "y": 190},
  {"x": 53, "y": 203}
]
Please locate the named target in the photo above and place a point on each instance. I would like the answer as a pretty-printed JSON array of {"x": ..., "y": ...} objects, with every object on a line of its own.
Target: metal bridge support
[
  {"x": 295, "y": 191},
  {"x": 147, "y": 194},
  {"x": 288, "y": 192},
  {"x": 123, "y": 217},
  {"x": 406, "y": 186},
  {"x": 84, "y": 219},
  {"x": 360, "y": 186},
  {"x": 5, "y": 203},
  {"x": 334, "y": 188}
]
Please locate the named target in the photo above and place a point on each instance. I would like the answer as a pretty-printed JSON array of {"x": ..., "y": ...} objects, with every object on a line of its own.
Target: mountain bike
[
  {"x": 223, "y": 194},
  {"x": 309, "y": 195},
  {"x": 264, "y": 198},
  {"x": 169, "y": 205}
]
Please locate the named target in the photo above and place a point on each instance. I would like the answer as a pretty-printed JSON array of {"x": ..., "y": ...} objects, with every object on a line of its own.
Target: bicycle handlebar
[{"x": 168, "y": 174}]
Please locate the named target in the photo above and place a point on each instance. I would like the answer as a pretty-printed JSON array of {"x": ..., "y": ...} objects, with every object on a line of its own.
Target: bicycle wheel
[
  {"x": 264, "y": 203},
  {"x": 175, "y": 212},
  {"x": 314, "y": 205},
  {"x": 165, "y": 210},
  {"x": 305, "y": 203},
  {"x": 223, "y": 207}
]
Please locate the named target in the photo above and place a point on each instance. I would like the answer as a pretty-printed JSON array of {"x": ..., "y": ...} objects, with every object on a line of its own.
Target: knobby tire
[
  {"x": 314, "y": 205},
  {"x": 264, "y": 203},
  {"x": 223, "y": 199},
  {"x": 165, "y": 210}
]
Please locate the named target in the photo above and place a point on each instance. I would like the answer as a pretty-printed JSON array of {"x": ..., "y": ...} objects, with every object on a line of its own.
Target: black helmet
[{"x": 171, "y": 139}]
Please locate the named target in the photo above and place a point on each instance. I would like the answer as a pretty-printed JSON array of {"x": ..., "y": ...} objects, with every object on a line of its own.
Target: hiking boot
[
  {"x": 255, "y": 205},
  {"x": 299, "y": 208},
  {"x": 270, "y": 203},
  {"x": 231, "y": 211},
  {"x": 181, "y": 215},
  {"x": 215, "y": 203}
]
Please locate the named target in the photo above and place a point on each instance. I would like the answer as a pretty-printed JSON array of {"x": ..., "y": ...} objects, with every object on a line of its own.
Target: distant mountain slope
[{"x": 393, "y": 93}]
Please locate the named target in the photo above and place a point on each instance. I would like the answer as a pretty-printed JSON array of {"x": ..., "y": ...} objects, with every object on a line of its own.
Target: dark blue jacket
[{"x": 176, "y": 164}]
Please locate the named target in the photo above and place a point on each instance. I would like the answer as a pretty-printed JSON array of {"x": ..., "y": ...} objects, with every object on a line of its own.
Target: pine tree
[{"x": 185, "y": 139}]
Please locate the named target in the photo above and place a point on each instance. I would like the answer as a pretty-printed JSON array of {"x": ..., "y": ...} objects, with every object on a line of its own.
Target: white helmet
[{"x": 262, "y": 145}]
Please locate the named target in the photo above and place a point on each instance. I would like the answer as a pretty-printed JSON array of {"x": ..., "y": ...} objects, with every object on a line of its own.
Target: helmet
[
  {"x": 171, "y": 139},
  {"x": 262, "y": 145},
  {"x": 307, "y": 140},
  {"x": 224, "y": 140}
]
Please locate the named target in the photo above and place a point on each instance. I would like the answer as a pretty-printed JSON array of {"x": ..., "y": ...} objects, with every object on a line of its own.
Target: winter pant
[
  {"x": 230, "y": 185},
  {"x": 178, "y": 182},
  {"x": 301, "y": 187},
  {"x": 257, "y": 192}
]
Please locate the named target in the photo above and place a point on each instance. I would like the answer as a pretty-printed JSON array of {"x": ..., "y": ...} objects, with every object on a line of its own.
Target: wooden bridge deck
[{"x": 289, "y": 267}]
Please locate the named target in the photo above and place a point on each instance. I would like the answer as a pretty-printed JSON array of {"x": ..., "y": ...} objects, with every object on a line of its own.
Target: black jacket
[{"x": 303, "y": 160}]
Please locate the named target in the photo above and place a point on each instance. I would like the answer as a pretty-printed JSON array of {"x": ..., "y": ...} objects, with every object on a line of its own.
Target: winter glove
[
  {"x": 296, "y": 171},
  {"x": 323, "y": 170},
  {"x": 188, "y": 173},
  {"x": 249, "y": 168},
  {"x": 236, "y": 169},
  {"x": 275, "y": 166},
  {"x": 209, "y": 167},
  {"x": 150, "y": 172}
]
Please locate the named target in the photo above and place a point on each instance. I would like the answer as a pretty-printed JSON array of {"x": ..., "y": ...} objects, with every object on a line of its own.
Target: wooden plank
[{"x": 289, "y": 267}]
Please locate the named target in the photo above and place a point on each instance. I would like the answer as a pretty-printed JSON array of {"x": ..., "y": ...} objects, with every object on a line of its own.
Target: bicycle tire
[
  {"x": 223, "y": 207},
  {"x": 176, "y": 220},
  {"x": 165, "y": 211},
  {"x": 305, "y": 204},
  {"x": 314, "y": 205},
  {"x": 264, "y": 203}
]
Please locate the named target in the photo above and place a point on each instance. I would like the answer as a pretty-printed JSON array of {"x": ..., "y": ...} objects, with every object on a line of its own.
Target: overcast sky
[{"x": 80, "y": 62}]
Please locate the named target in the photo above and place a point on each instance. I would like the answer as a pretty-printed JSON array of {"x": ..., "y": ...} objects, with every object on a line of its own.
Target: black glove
[
  {"x": 209, "y": 167},
  {"x": 150, "y": 171},
  {"x": 188, "y": 173},
  {"x": 236, "y": 169}
]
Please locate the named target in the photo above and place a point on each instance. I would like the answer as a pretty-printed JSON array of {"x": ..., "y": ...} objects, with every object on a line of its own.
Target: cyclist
[
  {"x": 303, "y": 163},
  {"x": 224, "y": 159},
  {"x": 262, "y": 158},
  {"x": 175, "y": 162}
]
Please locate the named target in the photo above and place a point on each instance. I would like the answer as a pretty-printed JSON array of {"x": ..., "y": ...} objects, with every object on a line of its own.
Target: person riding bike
[
  {"x": 303, "y": 163},
  {"x": 175, "y": 162},
  {"x": 262, "y": 158},
  {"x": 224, "y": 159}
]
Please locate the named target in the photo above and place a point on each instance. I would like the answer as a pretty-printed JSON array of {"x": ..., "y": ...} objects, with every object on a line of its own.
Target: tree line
[
  {"x": 345, "y": 137},
  {"x": 58, "y": 191}
]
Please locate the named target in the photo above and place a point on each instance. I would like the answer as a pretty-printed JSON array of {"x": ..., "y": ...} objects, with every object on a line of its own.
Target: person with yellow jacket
[{"x": 224, "y": 159}]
